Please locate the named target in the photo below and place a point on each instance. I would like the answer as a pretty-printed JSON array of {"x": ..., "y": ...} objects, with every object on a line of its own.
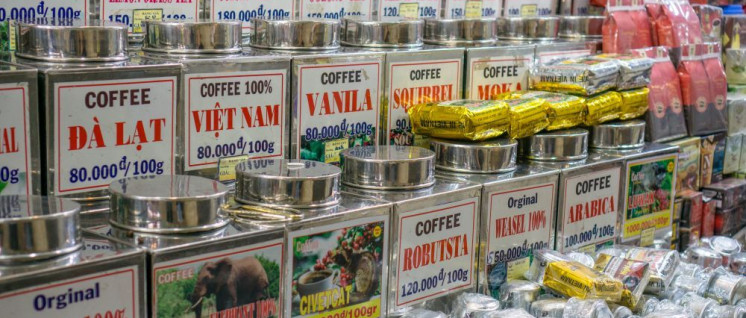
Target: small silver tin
[
  {"x": 310, "y": 35},
  {"x": 561, "y": 145},
  {"x": 738, "y": 263},
  {"x": 726, "y": 288},
  {"x": 528, "y": 28},
  {"x": 619, "y": 135},
  {"x": 461, "y": 32},
  {"x": 71, "y": 41},
  {"x": 287, "y": 183},
  {"x": 519, "y": 294},
  {"x": 167, "y": 204},
  {"x": 388, "y": 167},
  {"x": 549, "y": 308},
  {"x": 581, "y": 27},
  {"x": 222, "y": 37},
  {"x": 703, "y": 256},
  {"x": 493, "y": 156},
  {"x": 37, "y": 227},
  {"x": 726, "y": 247},
  {"x": 402, "y": 33},
  {"x": 471, "y": 304}
]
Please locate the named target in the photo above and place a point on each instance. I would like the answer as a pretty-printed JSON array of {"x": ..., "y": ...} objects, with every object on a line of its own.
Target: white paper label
[
  {"x": 548, "y": 57},
  {"x": 15, "y": 140},
  {"x": 591, "y": 203},
  {"x": 234, "y": 114},
  {"x": 335, "y": 9},
  {"x": 529, "y": 8},
  {"x": 391, "y": 10},
  {"x": 133, "y": 12},
  {"x": 436, "y": 251},
  {"x": 455, "y": 9},
  {"x": 245, "y": 10},
  {"x": 339, "y": 108},
  {"x": 520, "y": 221},
  {"x": 104, "y": 294},
  {"x": 494, "y": 76},
  {"x": 580, "y": 7},
  {"x": 413, "y": 83},
  {"x": 109, "y": 130},
  {"x": 258, "y": 266}
]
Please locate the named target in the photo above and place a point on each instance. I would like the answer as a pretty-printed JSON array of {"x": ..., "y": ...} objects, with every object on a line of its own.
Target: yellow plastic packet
[
  {"x": 634, "y": 103},
  {"x": 461, "y": 119},
  {"x": 528, "y": 116},
  {"x": 602, "y": 108},
  {"x": 565, "y": 111},
  {"x": 634, "y": 274},
  {"x": 572, "y": 279}
]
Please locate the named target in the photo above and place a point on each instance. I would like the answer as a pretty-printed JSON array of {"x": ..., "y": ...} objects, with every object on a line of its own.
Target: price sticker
[
  {"x": 590, "y": 249},
  {"x": 12, "y": 35},
  {"x": 647, "y": 236},
  {"x": 409, "y": 10},
  {"x": 529, "y": 10},
  {"x": 138, "y": 16},
  {"x": 692, "y": 49},
  {"x": 227, "y": 167},
  {"x": 473, "y": 9}
]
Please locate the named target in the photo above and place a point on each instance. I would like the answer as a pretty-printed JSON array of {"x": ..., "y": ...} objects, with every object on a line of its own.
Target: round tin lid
[
  {"x": 703, "y": 256},
  {"x": 461, "y": 32},
  {"x": 619, "y": 135},
  {"x": 493, "y": 156},
  {"x": 581, "y": 26},
  {"x": 527, "y": 28},
  {"x": 309, "y": 35},
  {"x": 287, "y": 183},
  {"x": 167, "y": 204},
  {"x": 550, "y": 308},
  {"x": 402, "y": 33},
  {"x": 37, "y": 227},
  {"x": 470, "y": 302},
  {"x": 71, "y": 41},
  {"x": 724, "y": 245},
  {"x": 560, "y": 145},
  {"x": 222, "y": 37},
  {"x": 388, "y": 167}
]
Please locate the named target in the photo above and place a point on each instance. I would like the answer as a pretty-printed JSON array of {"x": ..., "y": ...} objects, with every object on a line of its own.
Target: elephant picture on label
[{"x": 234, "y": 282}]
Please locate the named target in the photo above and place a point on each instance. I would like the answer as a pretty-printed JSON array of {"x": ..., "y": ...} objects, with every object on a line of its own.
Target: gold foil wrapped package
[
  {"x": 634, "y": 274},
  {"x": 634, "y": 72},
  {"x": 602, "y": 108},
  {"x": 584, "y": 76},
  {"x": 565, "y": 111},
  {"x": 573, "y": 279},
  {"x": 528, "y": 116},
  {"x": 461, "y": 119},
  {"x": 634, "y": 103}
]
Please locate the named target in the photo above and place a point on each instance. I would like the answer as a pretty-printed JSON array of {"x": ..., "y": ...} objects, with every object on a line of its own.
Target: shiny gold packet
[
  {"x": 583, "y": 76},
  {"x": 528, "y": 116},
  {"x": 573, "y": 279},
  {"x": 565, "y": 111},
  {"x": 634, "y": 274},
  {"x": 461, "y": 119},
  {"x": 634, "y": 103},
  {"x": 602, "y": 108}
]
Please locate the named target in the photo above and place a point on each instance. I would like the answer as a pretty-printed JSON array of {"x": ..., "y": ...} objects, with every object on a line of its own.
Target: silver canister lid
[
  {"x": 519, "y": 294},
  {"x": 402, "y": 33},
  {"x": 302, "y": 35},
  {"x": 71, "y": 41},
  {"x": 223, "y": 37},
  {"x": 581, "y": 27},
  {"x": 619, "y": 135},
  {"x": 461, "y": 32},
  {"x": 287, "y": 183},
  {"x": 725, "y": 245},
  {"x": 703, "y": 256},
  {"x": 37, "y": 227},
  {"x": 167, "y": 204},
  {"x": 550, "y": 308},
  {"x": 388, "y": 167},
  {"x": 528, "y": 28},
  {"x": 560, "y": 145},
  {"x": 492, "y": 156}
]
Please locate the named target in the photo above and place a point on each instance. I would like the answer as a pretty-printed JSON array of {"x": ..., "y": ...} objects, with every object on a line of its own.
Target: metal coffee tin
[
  {"x": 530, "y": 8},
  {"x": 219, "y": 128},
  {"x": 388, "y": 167},
  {"x": 246, "y": 10},
  {"x": 304, "y": 184},
  {"x": 461, "y": 32},
  {"x": 68, "y": 41},
  {"x": 581, "y": 27},
  {"x": 738, "y": 263},
  {"x": 528, "y": 28},
  {"x": 192, "y": 37},
  {"x": 35, "y": 228},
  {"x": 167, "y": 204},
  {"x": 519, "y": 294},
  {"x": 726, "y": 288},
  {"x": 560, "y": 145},
  {"x": 403, "y": 33},
  {"x": 726, "y": 247},
  {"x": 473, "y": 304},
  {"x": 549, "y": 308},
  {"x": 491, "y": 71},
  {"x": 308, "y": 34},
  {"x": 20, "y": 164},
  {"x": 619, "y": 135},
  {"x": 103, "y": 277},
  {"x": 102, "y": 123},
  {"x": 704, "y": 256},
  {"x": 526, "y": 196},
  {"x": 459, "y": 9},
  {"x": 454, "y": 202},
  {"x": 393, "y": 10},
  {"x": 135, "y": 13},
  {"x": 493, "y": 156},
  {"x": 549, "y": 52}
]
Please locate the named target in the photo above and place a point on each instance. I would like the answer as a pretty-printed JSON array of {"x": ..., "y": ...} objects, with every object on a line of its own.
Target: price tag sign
[
  {"x": 473, "y": 9},
  {"x": 588, "y": 249},
  {"x": 227, "y": 167},
  {"x": 529, "y": 10},
  {"x": 145, "y": 15},
  {"x": 409, "y": 10},
  {"x": 647, "y": 236}
]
